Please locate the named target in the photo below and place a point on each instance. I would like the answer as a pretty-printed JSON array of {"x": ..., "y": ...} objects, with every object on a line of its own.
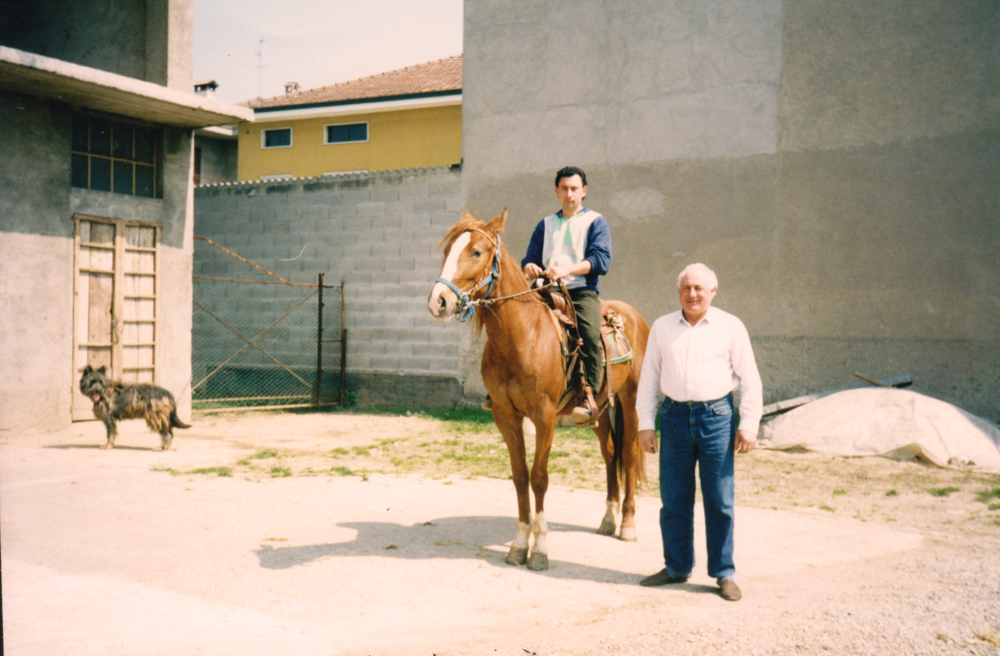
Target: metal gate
[{"x": 264, "y": 342}]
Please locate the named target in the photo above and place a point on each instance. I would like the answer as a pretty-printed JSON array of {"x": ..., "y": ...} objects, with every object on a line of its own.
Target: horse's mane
[{"x": 466, "y": 223}]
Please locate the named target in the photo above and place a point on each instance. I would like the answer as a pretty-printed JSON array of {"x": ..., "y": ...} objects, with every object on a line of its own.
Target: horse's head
[{"x": 471, "y": 261}]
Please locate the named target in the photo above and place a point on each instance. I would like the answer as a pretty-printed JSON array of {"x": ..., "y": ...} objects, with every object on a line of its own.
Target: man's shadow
[{"x": 482, "y": 538}]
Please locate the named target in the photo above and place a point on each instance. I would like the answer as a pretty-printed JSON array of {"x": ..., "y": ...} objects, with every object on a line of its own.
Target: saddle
[{"x": 617, "y": 348}]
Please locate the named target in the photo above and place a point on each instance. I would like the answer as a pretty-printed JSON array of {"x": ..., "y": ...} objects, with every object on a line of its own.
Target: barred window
[{"x": 109, "y": 155}]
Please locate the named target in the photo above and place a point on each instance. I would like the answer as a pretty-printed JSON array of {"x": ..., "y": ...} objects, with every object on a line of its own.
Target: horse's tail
[
  {"x": 617, "y": 426},
  {"x": 618, "y": 439}
]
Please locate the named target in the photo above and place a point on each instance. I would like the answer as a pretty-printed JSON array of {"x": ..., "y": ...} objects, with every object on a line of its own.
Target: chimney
[{"x": 291, "y": 87}]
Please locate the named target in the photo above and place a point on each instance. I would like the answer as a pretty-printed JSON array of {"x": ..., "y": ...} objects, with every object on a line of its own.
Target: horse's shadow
[
  {"x": 99, "y": 447},
  {"x": 481, "y": 538}
]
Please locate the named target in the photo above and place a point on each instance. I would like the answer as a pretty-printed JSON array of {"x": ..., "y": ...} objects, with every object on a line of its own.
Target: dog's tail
[{"x": 175, "y": 421}]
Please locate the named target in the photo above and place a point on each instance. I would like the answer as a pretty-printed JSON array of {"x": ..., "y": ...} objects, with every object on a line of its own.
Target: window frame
[
  {"x": 263, "y": 137},
  {"x": 115, "y": 160},
  {"x": 326, "y": 133}
]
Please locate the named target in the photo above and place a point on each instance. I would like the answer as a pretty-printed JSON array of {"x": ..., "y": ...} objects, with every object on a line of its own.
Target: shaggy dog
[{"x": 114, "y": 400}]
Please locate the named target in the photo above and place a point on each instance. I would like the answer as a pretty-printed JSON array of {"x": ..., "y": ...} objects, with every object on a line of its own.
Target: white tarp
[{"x": 888, "y": 422}]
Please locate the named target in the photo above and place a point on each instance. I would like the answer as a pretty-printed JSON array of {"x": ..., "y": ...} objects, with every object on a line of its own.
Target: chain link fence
[{"x": 262, "y": 341}]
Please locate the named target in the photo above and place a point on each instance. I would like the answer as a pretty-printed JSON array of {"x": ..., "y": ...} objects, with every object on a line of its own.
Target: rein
[{"x": 466, "y": 304}]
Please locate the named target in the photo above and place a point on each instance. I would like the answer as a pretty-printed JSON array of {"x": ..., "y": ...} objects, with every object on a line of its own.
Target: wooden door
[{"x": 115, "y": 302}]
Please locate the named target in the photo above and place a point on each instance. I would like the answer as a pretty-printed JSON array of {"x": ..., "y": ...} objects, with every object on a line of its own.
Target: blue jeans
[{"x": 702, "y": 432}]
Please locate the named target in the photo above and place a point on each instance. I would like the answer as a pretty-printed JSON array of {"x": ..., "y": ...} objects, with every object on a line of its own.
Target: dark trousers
[{"x": 588, "y": 320}]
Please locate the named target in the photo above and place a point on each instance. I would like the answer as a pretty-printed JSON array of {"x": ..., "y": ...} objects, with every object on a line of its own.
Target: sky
[{"x": 316, "y": 42}]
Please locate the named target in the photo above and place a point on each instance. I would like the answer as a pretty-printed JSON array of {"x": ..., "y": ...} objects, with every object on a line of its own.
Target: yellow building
[{"x": 407, "y": 118}]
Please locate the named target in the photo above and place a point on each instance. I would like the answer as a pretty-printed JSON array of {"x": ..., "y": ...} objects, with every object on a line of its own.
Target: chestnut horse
[{"x": 523, "y": 367}]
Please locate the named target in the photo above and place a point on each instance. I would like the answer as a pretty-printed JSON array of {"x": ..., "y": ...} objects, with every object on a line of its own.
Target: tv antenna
[{"x": 260, "y": 65}]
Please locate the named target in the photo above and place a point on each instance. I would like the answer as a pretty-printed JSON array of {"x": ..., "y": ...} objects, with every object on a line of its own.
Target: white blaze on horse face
[{"x": 443, "y": 301}]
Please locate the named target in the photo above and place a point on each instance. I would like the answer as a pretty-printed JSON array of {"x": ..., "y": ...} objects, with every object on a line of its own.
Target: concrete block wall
[{"x": 378, "y": 234}]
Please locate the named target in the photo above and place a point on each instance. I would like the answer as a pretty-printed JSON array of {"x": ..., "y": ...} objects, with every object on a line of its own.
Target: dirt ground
[{"x": 340, "y": 533}]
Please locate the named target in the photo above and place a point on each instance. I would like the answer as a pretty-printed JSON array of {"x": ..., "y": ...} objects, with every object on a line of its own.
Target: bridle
[{"x": 467, "y": 304}]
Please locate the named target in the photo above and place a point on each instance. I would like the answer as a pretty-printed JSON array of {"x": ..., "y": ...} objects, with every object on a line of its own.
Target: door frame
[{"x": 81, "y": 410}]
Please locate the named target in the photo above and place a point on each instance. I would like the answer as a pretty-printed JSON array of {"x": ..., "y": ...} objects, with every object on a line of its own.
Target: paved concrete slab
[{"x": 102, "y": 554}]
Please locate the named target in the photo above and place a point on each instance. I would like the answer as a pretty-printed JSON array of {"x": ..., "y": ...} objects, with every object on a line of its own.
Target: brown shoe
[
  {"x": 729, "y": 591},
  {"x": 488, "y": 404},
  {"x": 662, "y": 578},
  {"x": 582, "y": 416}
]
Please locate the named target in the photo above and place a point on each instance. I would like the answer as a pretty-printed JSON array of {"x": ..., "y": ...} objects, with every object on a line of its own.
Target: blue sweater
[{"x": 598, "y": 251}]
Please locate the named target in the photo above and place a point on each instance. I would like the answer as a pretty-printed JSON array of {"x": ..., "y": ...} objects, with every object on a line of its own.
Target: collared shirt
[{"x": 703, "y": 362}]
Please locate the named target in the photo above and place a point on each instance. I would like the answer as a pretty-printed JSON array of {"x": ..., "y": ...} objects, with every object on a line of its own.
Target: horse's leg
[
  {"x": 631, "y": 461},
  {"x": 603, "y": 430},
  {"x": 545, "y": 424},
  {"x": 511, "y": 428}
]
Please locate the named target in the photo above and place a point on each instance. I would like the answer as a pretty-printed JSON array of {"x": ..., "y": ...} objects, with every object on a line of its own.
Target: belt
[{"x": 695, "y": 404}]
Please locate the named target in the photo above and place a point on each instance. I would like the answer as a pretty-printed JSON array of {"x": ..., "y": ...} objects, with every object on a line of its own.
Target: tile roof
[{"x": 441, "y": 75}]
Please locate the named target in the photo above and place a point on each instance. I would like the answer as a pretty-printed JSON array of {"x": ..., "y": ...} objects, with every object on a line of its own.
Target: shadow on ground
[{"x": 482, "y": 538}]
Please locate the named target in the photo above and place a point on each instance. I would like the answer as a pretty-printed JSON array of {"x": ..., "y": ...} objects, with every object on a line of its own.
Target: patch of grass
[
  {"x": 343, "y": 471},
  {"x": 263, "y": 455},
  {"x": 169, "y": 470},
  {"x": 280, "y": 472},
  {"x": 220, "y": 471},
  {"x": 362, "y": 451},
  {"x": 984, "y": 496},
  {"x": 559, "y": 454},
  {"x": 839, "y": 492},
  {"x": 941, "y": 491},
  {"x": 827, "y": 508},
  {"x": 891, "y": 493},
  {"x": 339, "y": 451},
  {"x": 994, "y": 506}
]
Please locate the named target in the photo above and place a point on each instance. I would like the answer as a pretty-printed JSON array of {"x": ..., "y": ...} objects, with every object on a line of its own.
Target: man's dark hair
[{"x": 569, "y": 172}]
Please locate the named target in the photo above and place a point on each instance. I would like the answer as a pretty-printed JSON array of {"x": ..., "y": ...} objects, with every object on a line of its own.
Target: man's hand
[
  {"x": 745, "y": 442},
  {"x": 532, "y": 271},
  {"x": 647, "y": 441},
  {"x": 557, "y": 272}
]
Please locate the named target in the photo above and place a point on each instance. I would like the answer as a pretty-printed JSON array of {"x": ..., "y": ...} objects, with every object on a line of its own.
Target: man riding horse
[{"x": 574, "y": 245}]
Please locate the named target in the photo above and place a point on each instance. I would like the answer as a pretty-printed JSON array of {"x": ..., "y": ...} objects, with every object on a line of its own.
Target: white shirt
[{"x": 703, "y": 362}]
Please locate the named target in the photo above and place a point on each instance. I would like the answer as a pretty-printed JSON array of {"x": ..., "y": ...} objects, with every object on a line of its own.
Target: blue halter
[{"x": 466, "y": 304}]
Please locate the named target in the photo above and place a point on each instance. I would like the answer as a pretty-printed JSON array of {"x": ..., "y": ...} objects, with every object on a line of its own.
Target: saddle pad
[{"x": 616, "y": 345}]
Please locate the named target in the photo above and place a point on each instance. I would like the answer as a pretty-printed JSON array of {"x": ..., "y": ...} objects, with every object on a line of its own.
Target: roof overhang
[
  {"x": 347, "y": 108},
  {"x": 35, "y": 75}
]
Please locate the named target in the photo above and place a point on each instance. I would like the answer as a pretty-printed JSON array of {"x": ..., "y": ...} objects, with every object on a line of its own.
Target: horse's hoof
[
  {"x": 628, "y": 534},
  {"x": 607, "y": 528},
  {"x": 517, "y": 556},
  {"x": 538, "y": 562}
]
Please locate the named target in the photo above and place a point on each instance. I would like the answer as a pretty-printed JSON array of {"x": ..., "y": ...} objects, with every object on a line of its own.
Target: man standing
[
  {"x": 695, "y": 358},
  {"x": 574, "y": 245}
]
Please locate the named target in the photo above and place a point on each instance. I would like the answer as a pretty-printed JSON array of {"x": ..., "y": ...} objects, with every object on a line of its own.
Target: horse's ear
[{"x": 496, "y": 225}]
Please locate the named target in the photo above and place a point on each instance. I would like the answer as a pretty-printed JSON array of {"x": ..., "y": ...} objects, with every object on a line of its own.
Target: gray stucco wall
[
  {"x": 219, "y": 159},
  {"x": 143, "y": 33},
  {"x": 378, "y": 234},
  {"x": 837, "y": 165},
  {"x": 36, "y": 262}
]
